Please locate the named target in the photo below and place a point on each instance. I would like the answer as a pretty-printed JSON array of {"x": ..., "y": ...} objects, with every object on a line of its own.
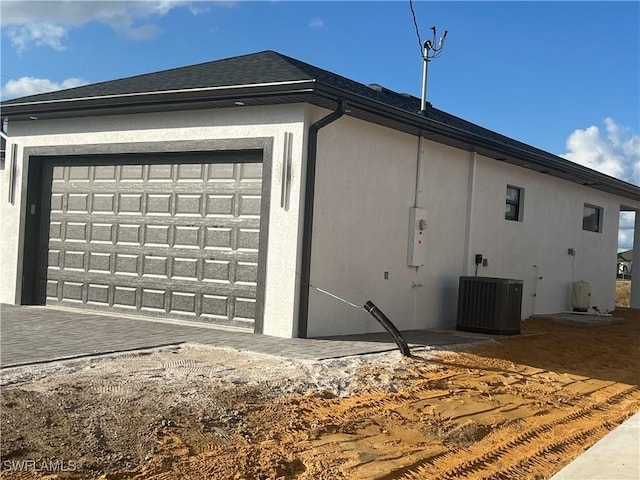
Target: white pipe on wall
[
  {"x": 418, "y": 196},
  {"x": 469, "y": 227}
]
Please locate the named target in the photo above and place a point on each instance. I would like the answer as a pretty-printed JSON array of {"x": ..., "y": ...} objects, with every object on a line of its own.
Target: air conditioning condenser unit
[{"x": 489, "y": 305}]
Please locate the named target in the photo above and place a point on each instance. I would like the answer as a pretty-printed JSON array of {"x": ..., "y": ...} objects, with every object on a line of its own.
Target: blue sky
[{"x": 562, "y": 76}]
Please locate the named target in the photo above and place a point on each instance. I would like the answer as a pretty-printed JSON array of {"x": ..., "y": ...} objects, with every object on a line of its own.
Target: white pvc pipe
[{"x": 425, "y": 67}]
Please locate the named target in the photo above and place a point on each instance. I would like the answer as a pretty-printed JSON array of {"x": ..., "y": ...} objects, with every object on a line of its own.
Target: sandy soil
[
  {"x": 515, "y": 407},
  {"x": 623, "y": 293}
]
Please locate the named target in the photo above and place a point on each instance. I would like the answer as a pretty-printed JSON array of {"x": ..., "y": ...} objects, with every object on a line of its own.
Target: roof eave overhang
[
  {"x": 530, "y": 158},
  {"x": 325, "y": 96},
  {"x": 155, "y": 101}
]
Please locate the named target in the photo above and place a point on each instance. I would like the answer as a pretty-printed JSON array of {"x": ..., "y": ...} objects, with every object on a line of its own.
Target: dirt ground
[
  {"x": 623, "y": 293},
  {"x": 514, "y": 407}
]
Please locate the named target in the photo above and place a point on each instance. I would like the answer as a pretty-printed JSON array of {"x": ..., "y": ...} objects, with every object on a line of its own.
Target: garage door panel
[
  {"x": 105, "y": 173},
  {"x": 248, "y": 239},
  {"x": 189, "y": 172},
  {"x": 220, "y": 205},
  {"x": 154, "y": 300},
  {"x": 221, "y": 171},
  {"x": 160, "y": 173},
  {"x": 155, "y": 266},
  {"x": 72, "y": 291},
  {"x": 98, "y": 294},
  {"x": 100, "y": 263},
  {"x": 134, "y": 248},
  {"x": 52, "y": 287},
  {"x": 244, "y": 308},
  {"x": 125, "y": 297},
  {"x": 129, "y": 204},
  {"x": 75, "y": 231},
  {"x": 184, "y": 303},
  {"x": 147, "y": 294},
  {"x": 189, "y": 205},
  {"x": 185, "y": 268},
  {"x": 103, "y": 203},
  {"x": 172, "y": 239},
  {"x": 102, "y": 233},
  {"x": 74, "y": 261},
  {"x": 78, "y": 203},
  {"x": 130, "y": 173},
  {"x": 77, "y": 173},
  {"x": 157, "y": 204},
  {"x": 158, "y": 235},
  {"x": 251, "y": 171}
]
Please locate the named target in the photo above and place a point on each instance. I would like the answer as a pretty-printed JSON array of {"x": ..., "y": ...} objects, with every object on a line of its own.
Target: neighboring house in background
[
  {"x": 625, "y": 263},
  {"x": 3, "y": 153},
  {"x": 218, "y": 192}
]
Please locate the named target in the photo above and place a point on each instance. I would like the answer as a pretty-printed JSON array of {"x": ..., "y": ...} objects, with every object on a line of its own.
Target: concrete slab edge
[{"x": 104, "y": 354}]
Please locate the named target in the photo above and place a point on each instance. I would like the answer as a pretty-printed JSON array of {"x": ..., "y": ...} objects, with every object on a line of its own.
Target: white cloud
[
  {"x": 625, "y": 240},
  {"x": 316, "y": 23},
  {"x": 616, "y": 151},
  {"x": 39, "y": 34},
  {"x": 31, "y": 86},
  {"x": 625, "y": 232},
  {"x": 142, "y": 32},
  {"x": 627, "y": 220},
  {"x": 46, "y": 24}
]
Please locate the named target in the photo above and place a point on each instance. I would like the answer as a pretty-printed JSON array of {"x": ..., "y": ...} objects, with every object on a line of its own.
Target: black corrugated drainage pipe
[
  {"x": 309, "y": 194},
  {"x": 376, "y": 313}
]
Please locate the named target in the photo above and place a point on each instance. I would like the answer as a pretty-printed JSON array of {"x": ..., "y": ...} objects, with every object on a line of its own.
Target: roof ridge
[
  {"x": 167, "y": 72},
  {"x": 271, "y": 76}
]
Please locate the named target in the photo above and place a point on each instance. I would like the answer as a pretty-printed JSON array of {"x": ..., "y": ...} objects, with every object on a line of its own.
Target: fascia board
[
  {"x": 132, "y": 100},
  {"x": 490, "y": 147}
]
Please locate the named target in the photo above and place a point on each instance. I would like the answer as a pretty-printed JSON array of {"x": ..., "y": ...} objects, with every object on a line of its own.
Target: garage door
[{"x": 176, "y": 238}]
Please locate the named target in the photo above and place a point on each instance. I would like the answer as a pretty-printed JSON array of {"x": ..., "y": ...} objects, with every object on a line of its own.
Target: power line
[{"x": 415, "y": 24}]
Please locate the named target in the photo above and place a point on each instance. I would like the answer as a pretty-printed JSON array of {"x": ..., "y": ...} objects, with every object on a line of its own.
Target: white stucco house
[{"x": 226, "y": 192}]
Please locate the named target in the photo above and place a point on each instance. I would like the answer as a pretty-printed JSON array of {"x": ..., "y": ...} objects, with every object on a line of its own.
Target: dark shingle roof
[
  {"x": 257, "y": 68},
  {"x": 273, "y": 78},
  {"x": 626, "y": 256},
  {"x": 252, "y": 69}
]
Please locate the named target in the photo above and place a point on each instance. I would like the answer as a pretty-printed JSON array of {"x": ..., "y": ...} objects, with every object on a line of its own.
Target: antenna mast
[{"x": 429, "y": 52}]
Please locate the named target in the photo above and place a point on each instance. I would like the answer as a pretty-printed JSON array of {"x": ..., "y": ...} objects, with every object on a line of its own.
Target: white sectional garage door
[{"x": 177, "y": 237}]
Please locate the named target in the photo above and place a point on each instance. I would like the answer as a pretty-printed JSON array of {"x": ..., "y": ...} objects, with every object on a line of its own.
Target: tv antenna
[{"x": 430, "y": 51}]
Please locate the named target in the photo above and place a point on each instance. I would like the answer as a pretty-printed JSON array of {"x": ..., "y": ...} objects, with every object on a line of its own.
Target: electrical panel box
[{"x": 417, "y": 227}]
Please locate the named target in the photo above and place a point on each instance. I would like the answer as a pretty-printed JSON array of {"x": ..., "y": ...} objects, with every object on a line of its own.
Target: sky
[{"x": 561, "y": 76}]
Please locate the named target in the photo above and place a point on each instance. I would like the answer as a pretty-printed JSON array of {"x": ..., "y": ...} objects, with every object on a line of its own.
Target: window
[
  {"x": 513, "y": 205},
  {"x": 592, "y": 218}
]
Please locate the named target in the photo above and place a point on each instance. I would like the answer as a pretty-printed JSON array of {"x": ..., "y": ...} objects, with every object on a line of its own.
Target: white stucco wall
[
  {"x": 551, "y": 224},
  {"x": 280, "y": 310},
  {"x": 10, "y": 225},
  {"x": 364, "y": 189}
]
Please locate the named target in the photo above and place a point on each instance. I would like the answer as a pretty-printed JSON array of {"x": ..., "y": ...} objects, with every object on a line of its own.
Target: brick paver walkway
[{"x": 34, "y": 334}]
